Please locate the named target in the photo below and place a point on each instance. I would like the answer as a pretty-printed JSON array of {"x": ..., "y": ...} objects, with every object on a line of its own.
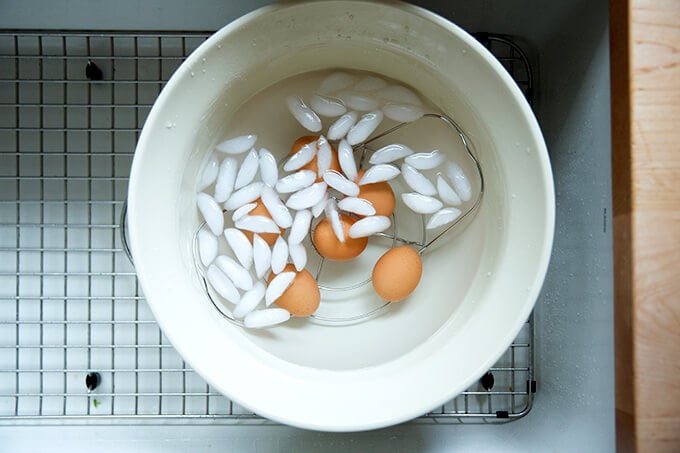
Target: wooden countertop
[{"x": 645, "y": 75}]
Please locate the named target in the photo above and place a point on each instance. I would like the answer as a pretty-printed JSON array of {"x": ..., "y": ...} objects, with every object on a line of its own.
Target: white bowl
[{"x": 477, "y": 290}]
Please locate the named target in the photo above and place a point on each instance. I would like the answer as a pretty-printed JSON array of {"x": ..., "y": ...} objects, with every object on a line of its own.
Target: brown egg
[
  {"x": 328, "y": 245},
  {"x": 380, "y": 194},
  {"x": 302, "y": 141},
  {"x": 260, "y": 209},
  {"x": 302, "y": 297},
  {"x": 397, "y": 273}
]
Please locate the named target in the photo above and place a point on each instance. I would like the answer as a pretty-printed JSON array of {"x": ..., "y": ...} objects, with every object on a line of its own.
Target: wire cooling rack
[{"x": 77, "y": 340}]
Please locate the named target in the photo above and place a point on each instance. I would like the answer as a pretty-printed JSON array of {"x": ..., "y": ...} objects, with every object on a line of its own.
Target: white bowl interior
[{"x": 478, "y": 287}]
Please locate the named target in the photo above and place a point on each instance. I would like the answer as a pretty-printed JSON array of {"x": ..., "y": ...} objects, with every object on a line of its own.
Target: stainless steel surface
[
  {"x": 69, "y": 301},
  {"x": 574, "y": 406}
]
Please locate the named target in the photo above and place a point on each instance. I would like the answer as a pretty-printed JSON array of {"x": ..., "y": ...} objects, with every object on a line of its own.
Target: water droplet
[
  {"x": 170, "y": 125},
  {"x": 203, "y": 60},
  {"x": 192, "y": 73},
  {"x": 219, "y": 46},
  {"x": 203, "y": 71},
  {"x": 463, "y": 51},
  {"x": 528, "y": 150},
  {"x": 489, "y": 274},
  {"x": 517, "y": 144},
  {"x": 514, "y": 195}
]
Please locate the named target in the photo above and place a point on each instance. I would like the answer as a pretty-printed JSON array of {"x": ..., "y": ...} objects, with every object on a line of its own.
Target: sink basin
[{"x": 567, "y": 43}]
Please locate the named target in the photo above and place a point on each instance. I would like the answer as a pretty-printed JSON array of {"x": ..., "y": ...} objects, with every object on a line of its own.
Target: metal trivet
[{"x": 78, "y": 343}]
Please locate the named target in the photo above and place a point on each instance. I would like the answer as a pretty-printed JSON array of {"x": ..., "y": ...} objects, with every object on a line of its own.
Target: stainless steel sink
[{"x": 141, "y": 375}]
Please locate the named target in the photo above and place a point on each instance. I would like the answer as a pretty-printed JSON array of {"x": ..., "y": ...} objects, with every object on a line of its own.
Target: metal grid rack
[{"x": 70, "y": 304}]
